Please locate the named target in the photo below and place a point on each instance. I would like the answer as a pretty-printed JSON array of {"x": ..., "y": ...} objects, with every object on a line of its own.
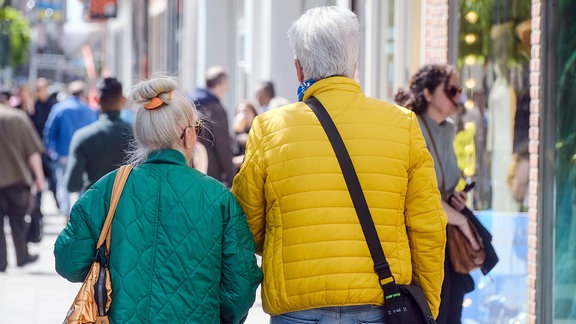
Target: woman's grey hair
[
  {"x": 325, "y": 40},
  {"x": 160, "y": 127}
]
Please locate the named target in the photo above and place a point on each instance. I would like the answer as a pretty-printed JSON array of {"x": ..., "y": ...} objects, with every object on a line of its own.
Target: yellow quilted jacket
[{"x": 300, "y": 212}]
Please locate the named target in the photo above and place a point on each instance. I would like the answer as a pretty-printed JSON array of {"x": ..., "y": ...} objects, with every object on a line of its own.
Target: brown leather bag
[
  {"x": 86, "y": 308},
  {"x": 464, "y": 259}
]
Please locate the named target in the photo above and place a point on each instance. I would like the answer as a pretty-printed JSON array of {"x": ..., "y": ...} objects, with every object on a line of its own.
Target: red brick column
[
  {"x": 535, "y": 69},
  {"x": 436, "y": 38}
]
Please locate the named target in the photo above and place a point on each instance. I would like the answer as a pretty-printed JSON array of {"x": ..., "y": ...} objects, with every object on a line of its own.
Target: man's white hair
[{"x": 325, "y": 40}]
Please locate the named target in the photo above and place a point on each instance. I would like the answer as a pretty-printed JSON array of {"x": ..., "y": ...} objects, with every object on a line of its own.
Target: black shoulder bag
[{"x": 404, "y": 304}]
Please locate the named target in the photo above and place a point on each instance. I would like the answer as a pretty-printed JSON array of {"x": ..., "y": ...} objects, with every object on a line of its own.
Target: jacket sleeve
[
  {"x": 425, "y": 220},
  {"x": 75, "y": 246},
  {"x": 240, "y": 272},
  {"x": 248, "y": 185},
  {"x": 76, "y": 165},
  {"x": 50, "y": 131}
]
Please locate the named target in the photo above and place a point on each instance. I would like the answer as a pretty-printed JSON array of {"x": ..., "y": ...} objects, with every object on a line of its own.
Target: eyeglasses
[
  {"x": 452, "y": 91},
  {"x": 197, "y": 129}
]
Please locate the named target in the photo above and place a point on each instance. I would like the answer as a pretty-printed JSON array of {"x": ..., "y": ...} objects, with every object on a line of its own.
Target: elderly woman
[
  {"x": 181, "y": 250},
  {"x": 316, "y": 262}
]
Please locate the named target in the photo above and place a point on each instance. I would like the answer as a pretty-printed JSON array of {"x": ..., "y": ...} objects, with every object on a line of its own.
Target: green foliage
[{"x": 14, "y": 38}]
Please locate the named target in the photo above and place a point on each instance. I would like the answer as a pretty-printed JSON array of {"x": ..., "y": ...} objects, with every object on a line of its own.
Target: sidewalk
[{"x": 37, "y": 294}]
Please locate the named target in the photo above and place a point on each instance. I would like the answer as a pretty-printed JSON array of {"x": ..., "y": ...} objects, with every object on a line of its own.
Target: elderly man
[{"x": 315, "y": 258}]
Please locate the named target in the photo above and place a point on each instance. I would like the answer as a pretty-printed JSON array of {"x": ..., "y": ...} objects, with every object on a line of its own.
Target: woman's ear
[
  {"x": 186, "y": 139},
  {"x": 427, "y": 95}
]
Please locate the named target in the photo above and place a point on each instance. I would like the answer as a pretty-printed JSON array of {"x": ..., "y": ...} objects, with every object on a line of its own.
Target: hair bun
[
  {"x": 166, "y": 97},
  {"x": 160, "y": 88}
]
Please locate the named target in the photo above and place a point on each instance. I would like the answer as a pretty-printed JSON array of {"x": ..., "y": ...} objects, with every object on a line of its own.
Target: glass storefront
[
  {"x": 564, "y": 304},
  {"x": 492, "y": 147}
]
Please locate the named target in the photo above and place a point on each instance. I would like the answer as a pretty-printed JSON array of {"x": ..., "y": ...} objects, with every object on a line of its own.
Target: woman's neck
[{"x": 435, "y": 116}]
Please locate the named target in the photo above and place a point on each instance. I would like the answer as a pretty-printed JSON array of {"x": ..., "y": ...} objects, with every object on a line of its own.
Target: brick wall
[
  {"x": 535, "y": 66},
  {"x": 436, "y": 38}
]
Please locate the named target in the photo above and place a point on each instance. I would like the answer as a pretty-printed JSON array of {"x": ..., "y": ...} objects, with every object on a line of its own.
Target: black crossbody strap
[{"x": 381, "y": 266}]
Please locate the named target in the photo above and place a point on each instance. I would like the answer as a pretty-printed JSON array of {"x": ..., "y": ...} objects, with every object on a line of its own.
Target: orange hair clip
[{"x": 155, "y": 102}]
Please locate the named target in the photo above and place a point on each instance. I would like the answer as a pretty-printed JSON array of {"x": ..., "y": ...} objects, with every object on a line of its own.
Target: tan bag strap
[{"x": 119, "y": 183}]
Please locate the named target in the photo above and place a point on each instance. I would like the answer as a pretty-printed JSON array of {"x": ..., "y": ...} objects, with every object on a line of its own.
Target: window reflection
[
  {"x": 565, "y": 161},
  {"x": 492, "y": 147},
  {"x": 494, "y": 57}
]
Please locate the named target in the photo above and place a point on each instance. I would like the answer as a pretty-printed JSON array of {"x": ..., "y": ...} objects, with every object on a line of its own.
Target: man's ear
[{"x": 299, "y": 71}]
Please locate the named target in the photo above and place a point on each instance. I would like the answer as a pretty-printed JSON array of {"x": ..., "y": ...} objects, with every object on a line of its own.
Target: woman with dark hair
[{"x": 433, "y": 95}]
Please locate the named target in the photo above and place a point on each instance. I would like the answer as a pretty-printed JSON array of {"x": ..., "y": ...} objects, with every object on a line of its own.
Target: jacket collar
[
  {"x": 337, "y": 83},
  {"x": 169, "y": 156},
  {"x": 110, "y": 115}
]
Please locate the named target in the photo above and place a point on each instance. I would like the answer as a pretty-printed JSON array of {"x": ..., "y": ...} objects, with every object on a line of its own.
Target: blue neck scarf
[{"x": 303, "y": 87}]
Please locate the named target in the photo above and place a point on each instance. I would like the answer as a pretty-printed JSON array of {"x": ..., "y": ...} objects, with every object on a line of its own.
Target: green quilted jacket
[{"x": 181, "y": 250}]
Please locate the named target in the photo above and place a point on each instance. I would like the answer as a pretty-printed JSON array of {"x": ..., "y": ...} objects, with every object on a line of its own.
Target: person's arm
[
  {"x": 50, "y": 132},
  {"x": 240, "y": 272},
  {"x": 248, "y": 186},
  {"x": 75, "y": 245},
  {"x": 456, "y": 218},
  {"x": 35, "y": 162},
  {"x": 223, "y": 147},
  {"x": 425, "y": 220},
  {"x": 76, "y": 165},
  {"x": 33, "y": 149}
]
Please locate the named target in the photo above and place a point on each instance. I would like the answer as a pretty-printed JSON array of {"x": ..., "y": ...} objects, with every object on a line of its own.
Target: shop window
[
  {"x": 492, "y": 146},
  {"x": 564, "y": 303}
]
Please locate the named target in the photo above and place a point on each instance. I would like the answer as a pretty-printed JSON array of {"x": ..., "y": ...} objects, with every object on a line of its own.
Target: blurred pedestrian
[
  {"x": 315, "y": 258},
  {"x": 264, "y": 93},
  {"x": 5, "y": 96},
  {"x": 21, "y": 148},
  {"x": 65, "y": 118},
  {"x": 245, "y": 114},
  {"x": 102, "y": 146},
  {"x": 181, "y": 251},
  {"x": 215, "y": 136},
  {"x": 43, "y": 104},
  {"x": 434, "y": 94},
  {"x": 44, "y": 101},
  {"x": 24, "y": 99},
  {"x": 278, "y": 102}
]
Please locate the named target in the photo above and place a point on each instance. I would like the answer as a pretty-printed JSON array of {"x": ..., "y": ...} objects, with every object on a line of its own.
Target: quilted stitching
[
  {"x": 314, "y": 252},
  {"x": 171, "y": 222}
]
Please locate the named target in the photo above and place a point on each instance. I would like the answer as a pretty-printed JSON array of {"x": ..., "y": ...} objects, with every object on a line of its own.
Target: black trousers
[
  {"x": 14, "y": 202},
  {"x": 454, "y": 287}
]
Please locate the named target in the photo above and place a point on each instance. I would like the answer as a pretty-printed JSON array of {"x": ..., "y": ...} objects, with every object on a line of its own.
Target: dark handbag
[
  {"x": 35, "y": 219},
  {"x": 35, "y": 231},
  {"x": 405, "y": 304}
]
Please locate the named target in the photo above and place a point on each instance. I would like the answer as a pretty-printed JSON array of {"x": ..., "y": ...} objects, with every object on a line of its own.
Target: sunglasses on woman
[
  {"x": 452, "y": 91},
  {"x": 197, "y": 129}
]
